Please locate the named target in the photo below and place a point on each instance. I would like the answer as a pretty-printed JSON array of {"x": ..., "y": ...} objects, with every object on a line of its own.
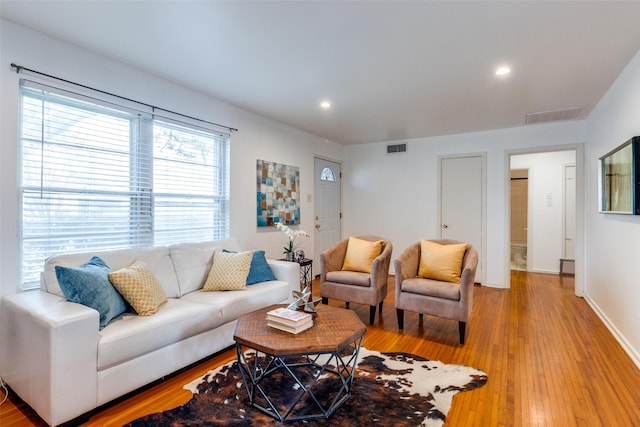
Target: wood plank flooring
[{"x": 549, "y": 359}]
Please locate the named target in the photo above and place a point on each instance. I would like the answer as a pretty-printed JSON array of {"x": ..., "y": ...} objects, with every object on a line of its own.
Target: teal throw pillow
[
  {"x": 259, "y": 270},
  {"x": 89, "y": 285}
]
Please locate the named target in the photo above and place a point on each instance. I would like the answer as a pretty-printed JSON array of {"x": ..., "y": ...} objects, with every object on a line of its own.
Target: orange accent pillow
[
  {"x": 360, "y": 254},
  {"x": 441, "y": 262}
]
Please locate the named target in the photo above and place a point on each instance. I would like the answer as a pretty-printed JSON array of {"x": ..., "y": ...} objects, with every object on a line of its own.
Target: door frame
[
  {"x": 564, "y": 207},
  {"x": 483, "y": 202},
  {"x": 528, "y": 262},
  {"x": 580, "y": 210}
]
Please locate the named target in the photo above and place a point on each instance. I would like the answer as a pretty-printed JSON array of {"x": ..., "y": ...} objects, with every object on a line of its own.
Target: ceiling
[{"x": 392, "y": 70}]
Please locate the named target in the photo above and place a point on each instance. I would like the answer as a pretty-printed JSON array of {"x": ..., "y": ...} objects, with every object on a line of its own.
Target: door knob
[{"x": 317, "y": 225}]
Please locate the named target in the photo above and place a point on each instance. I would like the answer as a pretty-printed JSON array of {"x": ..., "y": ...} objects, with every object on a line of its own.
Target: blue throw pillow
[
  {"x": 259, "y": 270},
  {"x": 89, "y": 285}
]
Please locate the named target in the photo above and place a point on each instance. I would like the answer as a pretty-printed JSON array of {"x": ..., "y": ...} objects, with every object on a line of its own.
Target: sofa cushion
[
  {"x": 360, "y": 254},
  {"x": 131, "y": 336},
  {"x": 355, "y": 278},
  {"x": 235, "y": 304},
  {"x": 157, "y": 258},
  {"x": 192, "y": 261},
  {"x": 432, "y": 288},
  {"x": 441, "y": 262},
  {"x": 229, "y": 271},
  {"x": 140, "y": 287},
  {"x": 89, "y": 285}
]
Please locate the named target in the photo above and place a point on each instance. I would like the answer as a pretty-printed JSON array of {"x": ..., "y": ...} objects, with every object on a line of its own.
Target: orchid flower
[{"x": 291, "y": 235}]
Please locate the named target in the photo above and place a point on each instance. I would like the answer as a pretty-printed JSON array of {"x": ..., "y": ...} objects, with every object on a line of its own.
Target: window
[
  {"x": 97, "y": 176},
  {"x": 327, "y": 175}
]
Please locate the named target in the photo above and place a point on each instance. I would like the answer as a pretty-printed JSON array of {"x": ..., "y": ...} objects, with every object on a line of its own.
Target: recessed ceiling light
[
  {"x": 325, "y": 105},
  {"x": 503, "y": 70}
]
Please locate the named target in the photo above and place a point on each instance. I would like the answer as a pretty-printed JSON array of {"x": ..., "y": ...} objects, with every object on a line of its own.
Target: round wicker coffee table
[{"x": 303, "y": 376}]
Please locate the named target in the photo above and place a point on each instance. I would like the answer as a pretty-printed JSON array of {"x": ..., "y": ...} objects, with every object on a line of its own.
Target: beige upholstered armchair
[
  {"x": 440, "y": 296},
  {"x": 344, "y": 277}
]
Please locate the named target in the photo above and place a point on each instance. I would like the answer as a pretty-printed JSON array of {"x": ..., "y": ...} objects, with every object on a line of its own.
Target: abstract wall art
[{"x": 278, "y": 193}]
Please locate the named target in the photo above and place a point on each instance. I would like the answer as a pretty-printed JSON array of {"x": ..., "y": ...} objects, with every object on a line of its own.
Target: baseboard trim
[
  {"x": 539, "y": 270},
  {"x": 626, "y": 346}
]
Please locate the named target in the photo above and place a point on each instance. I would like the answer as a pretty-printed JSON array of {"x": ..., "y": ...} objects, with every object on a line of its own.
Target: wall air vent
[
  {"x": 397, "y": 148},
  {"x": 552, "y": 116}
]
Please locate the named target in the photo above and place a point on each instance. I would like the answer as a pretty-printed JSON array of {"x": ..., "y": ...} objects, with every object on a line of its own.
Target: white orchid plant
[{"x": 291, "y": 235}]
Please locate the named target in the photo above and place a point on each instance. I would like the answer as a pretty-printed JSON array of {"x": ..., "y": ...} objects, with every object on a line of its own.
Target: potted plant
[{"x": 291, "y": 237}]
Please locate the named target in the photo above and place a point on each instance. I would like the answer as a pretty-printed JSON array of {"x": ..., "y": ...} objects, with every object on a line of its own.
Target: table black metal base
[{"x": 300, "y": 386}]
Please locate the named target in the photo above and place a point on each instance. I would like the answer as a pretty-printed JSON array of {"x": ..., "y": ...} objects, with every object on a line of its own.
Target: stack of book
[{"x": 288, "y": 320}]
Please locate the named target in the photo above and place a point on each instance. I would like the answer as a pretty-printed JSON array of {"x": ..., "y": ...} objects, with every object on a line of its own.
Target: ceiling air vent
[
  {"x": 397, "y": 148},
  {"x": 552, "y": 116}
]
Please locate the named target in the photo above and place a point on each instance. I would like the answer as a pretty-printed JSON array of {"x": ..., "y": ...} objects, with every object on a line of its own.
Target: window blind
[{"x": 97, "y": 176}]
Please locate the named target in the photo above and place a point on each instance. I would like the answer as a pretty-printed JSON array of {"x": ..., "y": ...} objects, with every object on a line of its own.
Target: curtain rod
[{"x": 19, "y": 68}]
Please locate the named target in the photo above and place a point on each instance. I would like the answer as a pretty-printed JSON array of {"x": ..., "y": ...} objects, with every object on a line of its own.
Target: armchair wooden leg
[
  {"x": 380, "y": 307},
  {"x": 461, "y": 330},
  {"x": 372, "y": 314},
  {"x": 400, "y": 315},
  {"x": 325, "y": 301},
  {"x": 421, "y": 316},
  {"x": 346, "y": 304}
]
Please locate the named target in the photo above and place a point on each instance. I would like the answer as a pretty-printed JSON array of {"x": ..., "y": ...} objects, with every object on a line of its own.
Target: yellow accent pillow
[
  {"x": 441, "y": 262},
  {"x": 229, "y": 271},
  {"x": 140, "y": 287},
  {"x": 360, "y": 254}
]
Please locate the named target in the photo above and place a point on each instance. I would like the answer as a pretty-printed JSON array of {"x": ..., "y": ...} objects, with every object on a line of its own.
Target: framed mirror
[{"x": 620, "y": 179}]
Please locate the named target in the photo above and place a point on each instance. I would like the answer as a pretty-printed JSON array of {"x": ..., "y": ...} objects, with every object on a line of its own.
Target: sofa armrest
[
  {"x": 333, "y": 258},
  {"x": 380, "y": 266},
  {"x": 468, "y": 277},
  {"x": 49, "y": 353},
  {"x": 287, "y": 272},
  {"x": 408, "y": 263},
  {"x": 406, "y": 266}
]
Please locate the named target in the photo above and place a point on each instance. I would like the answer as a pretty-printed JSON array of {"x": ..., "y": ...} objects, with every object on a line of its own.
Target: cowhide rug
[{"x": 389, "y": 389}]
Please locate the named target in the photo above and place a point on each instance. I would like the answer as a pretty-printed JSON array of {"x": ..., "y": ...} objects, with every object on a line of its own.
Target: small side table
[{"x": 306, "y": 272}]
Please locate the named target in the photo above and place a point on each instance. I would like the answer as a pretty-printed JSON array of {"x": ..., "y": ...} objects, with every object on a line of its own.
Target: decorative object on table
[
  {"x": 278, "y": 192},
  {"x": 299, "y": 257},
  {"x": 304, "y": 301},
  {"x": 290, "y": 249},
  {"x": 390, "y": 389},
  {"x": 289, "y": 320}
]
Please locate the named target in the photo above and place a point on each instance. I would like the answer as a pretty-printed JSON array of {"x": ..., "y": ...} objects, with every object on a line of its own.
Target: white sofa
[{"x": 55, "y": 357}]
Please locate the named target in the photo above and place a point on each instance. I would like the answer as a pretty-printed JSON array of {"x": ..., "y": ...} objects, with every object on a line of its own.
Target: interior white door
[
  {"x": 462, "y": 203},
  {"x": 328, "y": 216},
  {"x": 569, "y": 211}
]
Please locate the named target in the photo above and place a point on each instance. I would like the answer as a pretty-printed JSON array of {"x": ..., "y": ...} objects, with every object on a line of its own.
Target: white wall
[
  {"x": 395, "y": 195},
  {"x": 546, "y": 213},
  {"x": 613, "y": 241},
  {"x": 258, "y": 137},
  {"x": 390, "y": 195}
]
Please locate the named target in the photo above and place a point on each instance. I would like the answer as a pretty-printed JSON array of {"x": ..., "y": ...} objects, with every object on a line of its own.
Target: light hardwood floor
[{"x": 549, "y": 359}]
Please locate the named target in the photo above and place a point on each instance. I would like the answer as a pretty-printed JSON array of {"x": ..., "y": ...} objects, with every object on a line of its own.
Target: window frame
[{"x": 140, "y": 153}]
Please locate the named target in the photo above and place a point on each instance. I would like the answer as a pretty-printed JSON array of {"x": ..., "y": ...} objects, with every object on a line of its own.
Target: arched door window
[{"x": 327, "y": 175}]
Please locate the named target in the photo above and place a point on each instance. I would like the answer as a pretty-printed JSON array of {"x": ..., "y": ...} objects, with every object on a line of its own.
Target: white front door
[
  {"x": 462, "y": 194},
  {"x": 328, "y": 216}
]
